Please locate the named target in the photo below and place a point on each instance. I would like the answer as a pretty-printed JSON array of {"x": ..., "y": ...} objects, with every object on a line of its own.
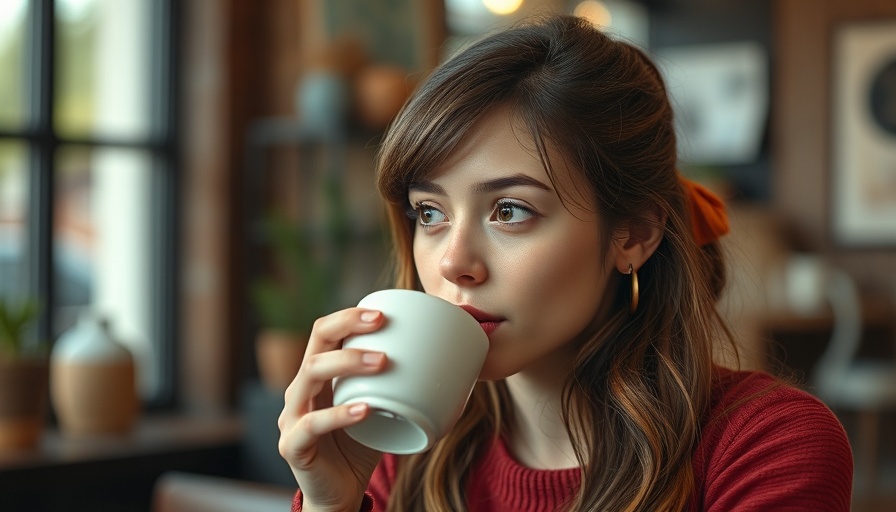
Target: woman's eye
[
  {"x": 511, "y": 213},
  {"x": 428, "y": 215}
]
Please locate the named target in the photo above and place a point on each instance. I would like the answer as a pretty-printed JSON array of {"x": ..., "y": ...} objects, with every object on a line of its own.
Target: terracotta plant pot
[
  {"x": 381, "y": 91},
  {"x": 279, "y": 355},
  {"x": 23, "y": 401}
]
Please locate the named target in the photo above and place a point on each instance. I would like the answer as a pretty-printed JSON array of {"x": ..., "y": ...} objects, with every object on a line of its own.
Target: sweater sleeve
[
  {"x": 366, "y": 504},
  {"x": 780, "y": 450},
  {"x": 378, "y": 489}
]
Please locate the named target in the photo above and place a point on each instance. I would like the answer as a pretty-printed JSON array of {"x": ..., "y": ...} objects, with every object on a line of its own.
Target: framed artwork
[
  {"x": 720, "y": 93},
  {"x": 863, "y": 131}
]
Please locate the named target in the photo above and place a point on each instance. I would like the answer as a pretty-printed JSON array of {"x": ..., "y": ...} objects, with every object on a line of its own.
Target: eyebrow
[{"x": 516, "y": 180}]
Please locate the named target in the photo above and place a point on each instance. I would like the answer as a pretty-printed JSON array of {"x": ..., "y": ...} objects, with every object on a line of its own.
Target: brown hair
[{"x": 640, "y": 385}]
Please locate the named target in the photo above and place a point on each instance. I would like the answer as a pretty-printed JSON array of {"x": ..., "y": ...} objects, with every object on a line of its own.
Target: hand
[{"x": 331, "y": 468}]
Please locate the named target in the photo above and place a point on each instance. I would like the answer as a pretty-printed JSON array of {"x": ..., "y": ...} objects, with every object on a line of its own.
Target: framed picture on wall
[
  {"x": 863, "y": 130},
  {"x": 720, "y": 93}
]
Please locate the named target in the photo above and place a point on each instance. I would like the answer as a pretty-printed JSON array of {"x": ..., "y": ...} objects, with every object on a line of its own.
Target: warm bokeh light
[
  {"x": 595, "y": 12},
  {"x": 502, "y": 6}
]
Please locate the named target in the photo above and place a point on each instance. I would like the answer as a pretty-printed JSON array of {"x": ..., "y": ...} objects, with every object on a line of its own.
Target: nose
[{"x": 462, "y": 262}]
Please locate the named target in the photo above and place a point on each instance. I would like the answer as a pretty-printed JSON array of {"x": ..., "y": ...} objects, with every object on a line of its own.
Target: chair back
[
  {"x": 843, "y": 296},
  {"x": 807, "y": 285}
]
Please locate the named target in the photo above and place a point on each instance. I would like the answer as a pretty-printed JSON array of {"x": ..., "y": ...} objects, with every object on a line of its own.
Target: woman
[{"x": 533, "y": 177}]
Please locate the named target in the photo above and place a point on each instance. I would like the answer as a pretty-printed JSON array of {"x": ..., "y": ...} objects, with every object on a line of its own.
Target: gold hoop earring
[{"x": 635, "y": 294}]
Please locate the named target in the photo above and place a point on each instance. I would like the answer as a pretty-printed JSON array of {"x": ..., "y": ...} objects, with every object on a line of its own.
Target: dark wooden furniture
[{"x": 117, "y": 473}]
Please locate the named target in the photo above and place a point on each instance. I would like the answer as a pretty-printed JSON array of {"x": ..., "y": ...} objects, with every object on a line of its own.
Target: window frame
[{"x": 162, "y": 144}]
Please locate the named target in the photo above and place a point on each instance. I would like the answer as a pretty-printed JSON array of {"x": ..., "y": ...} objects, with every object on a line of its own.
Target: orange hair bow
[{"x": 709, "y": 220}]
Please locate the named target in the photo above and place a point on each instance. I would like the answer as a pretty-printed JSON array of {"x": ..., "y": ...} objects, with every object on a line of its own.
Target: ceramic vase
[
  {"x": 92, "y": 380},
  {"x": 322, "y": 101}
]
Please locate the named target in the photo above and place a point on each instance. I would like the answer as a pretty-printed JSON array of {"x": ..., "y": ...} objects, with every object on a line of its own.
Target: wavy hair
[{"x": 640, "y": 384}]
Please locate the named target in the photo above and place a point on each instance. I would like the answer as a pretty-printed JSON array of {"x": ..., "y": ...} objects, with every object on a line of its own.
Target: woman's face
[{"x": 493, "y": 236}]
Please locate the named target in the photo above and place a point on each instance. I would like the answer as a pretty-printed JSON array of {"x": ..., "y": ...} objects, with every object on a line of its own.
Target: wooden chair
[{"x": 844, "y": 381}]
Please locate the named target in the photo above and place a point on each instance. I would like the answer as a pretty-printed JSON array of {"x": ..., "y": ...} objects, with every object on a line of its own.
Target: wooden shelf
[
  {"x": 876, "y": 313},
  {"x": 118, "y": 472}
]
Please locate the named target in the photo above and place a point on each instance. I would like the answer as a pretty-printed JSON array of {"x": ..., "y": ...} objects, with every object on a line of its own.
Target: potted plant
[
  {"x": 24, "y": 377},
  {"x": 302, "y": 285}
]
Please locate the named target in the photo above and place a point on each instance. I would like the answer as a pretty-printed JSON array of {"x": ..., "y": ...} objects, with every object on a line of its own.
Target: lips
[{"x": 488, "y": 322}]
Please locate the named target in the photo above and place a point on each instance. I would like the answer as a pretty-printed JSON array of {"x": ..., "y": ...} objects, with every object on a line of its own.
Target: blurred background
[{"x": 199, "y": 174}]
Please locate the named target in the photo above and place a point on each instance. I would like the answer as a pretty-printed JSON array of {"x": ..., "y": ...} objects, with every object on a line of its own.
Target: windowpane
[
  {"x": 103, "y": 68},
  {"x": 12, "y": 64},
  {"x": 103, "y": 251},
  {"x": 13, "y": 207}
]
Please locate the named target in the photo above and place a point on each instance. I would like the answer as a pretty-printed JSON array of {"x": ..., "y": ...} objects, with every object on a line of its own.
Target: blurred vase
[
  {"x": 322, "y": 102},
  {"x": 804, "y": 280},
  {"x": 92, "y": 380}
]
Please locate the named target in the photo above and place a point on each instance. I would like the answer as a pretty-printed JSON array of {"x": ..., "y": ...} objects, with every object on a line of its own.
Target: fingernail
[
  {"x": 369, "y": 316},
  {"x": 372, "y": 358},
  {"x": 357, "y": 409}
]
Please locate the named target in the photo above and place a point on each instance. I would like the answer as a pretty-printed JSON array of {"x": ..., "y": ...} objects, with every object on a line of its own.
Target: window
[{"x": 88, "y": 157}]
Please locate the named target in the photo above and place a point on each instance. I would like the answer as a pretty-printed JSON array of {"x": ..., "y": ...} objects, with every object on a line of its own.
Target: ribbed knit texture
[
  {"x": 765, "y": 447},
  {"x": 504, "y": 484},
  {"x": 781, "y": 450}
]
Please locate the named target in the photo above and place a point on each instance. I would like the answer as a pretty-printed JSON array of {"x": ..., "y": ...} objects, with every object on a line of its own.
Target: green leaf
[
  {"x": 307, "y": 282},
  {"x": 14, "y": 323}
]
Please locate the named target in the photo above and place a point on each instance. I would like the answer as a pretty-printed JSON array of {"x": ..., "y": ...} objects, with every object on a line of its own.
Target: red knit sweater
[{"x": 764, "y": 447}]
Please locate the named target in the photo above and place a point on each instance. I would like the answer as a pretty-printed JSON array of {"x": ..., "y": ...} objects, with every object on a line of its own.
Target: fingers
[
  {"x": 299, "y": 442},
  {"x": 308, "y": 413},
  {"x": 329, "y": 331},
  {"x": 319, "y": 369},
  {"x": 327, "y": 335},
  {"x": 323, "y": 362}
]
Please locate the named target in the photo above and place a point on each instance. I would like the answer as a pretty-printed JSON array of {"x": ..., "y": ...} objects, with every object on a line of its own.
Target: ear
[{"x": 635, "y": 242}]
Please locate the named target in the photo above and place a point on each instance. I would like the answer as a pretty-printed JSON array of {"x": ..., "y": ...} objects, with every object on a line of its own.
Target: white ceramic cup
[{"x": 435, "y": 351}]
